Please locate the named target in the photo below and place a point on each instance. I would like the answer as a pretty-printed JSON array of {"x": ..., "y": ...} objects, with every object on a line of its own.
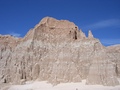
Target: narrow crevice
[
  {"x": 22, "y": 76},
  {"x": 75, "y": 35},
  {"x": 116, "y": 70}
]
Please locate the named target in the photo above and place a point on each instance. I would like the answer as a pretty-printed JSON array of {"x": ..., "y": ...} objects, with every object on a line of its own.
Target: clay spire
[
  {"x": 90, "y": 35},
  {"x": 82, "y": 35}
]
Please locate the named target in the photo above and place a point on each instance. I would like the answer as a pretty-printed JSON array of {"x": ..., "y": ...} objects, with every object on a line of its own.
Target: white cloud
[
  {"x": 104, "y": 23},
  {"x": 110, "y": 41},
  {"x": 15, "y": 34}
]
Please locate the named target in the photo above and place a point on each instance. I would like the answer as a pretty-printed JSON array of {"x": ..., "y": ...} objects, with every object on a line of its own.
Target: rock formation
[
  {"x": 115, "y": 51},
  {"x": 102, "y": 69},
  {"x": 90, "y": 35},
  {"x": 57, "y": 51}
]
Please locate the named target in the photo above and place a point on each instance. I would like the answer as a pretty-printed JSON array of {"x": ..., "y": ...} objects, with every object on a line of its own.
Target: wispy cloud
[
  {"x": 104, "y": 23},
  {"x": 108, "y": 42},
  {"x": 15, "y": 34}
]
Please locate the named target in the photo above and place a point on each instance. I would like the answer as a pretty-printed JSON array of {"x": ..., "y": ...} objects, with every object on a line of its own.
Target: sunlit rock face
[
  {"x": 56, "y": 51},
  {"x": 102, "y": 69},
  {"x": 115, "y": 51}
]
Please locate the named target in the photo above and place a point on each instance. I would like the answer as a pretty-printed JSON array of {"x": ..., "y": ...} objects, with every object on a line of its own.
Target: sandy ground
[{"x": 36, "y": 85}]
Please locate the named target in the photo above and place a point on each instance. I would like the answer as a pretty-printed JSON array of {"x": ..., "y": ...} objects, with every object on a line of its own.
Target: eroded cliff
[{"x": 56, "y": 51}]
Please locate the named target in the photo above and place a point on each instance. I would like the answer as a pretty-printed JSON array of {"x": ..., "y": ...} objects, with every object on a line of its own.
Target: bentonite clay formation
[{"x": 58, "y": 52}]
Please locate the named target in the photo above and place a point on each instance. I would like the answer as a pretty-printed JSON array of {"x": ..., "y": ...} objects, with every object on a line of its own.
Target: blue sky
[{"x": 102, "y": 17}]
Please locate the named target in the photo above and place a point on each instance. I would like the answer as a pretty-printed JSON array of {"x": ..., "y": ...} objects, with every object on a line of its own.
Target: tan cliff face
[
  {"x": 56, "y": 51},
  {"x": 115, "y": 51}
]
